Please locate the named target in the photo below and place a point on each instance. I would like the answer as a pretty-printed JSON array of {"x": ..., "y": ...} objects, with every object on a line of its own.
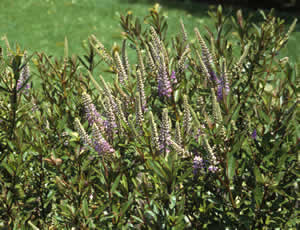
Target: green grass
[{"x": 43, "y": 25}]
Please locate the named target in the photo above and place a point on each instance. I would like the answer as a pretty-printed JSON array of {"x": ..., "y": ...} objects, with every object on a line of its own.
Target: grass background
[{"x": 43, "y": 25}]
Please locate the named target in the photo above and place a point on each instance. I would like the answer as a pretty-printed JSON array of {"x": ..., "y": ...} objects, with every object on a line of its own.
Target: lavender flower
[
  {"x": 213, "y": 168},
  {"x": 141, "y": 90},
  {"x": 254, "y": 134},
  {"x": 141, "y": 63},
  {"x": 164, "y": 84},
  {"x": 100, "y": 144},
  {"x": 213, "y": 75},
  {"x": 227, "y": 87},
  {"x": 182, "y": 60},
  {"x": 199, "y": 132},
  {"x": 139, "y": 111},
  {"x": 180, "y": 150},
  {"x": 222, "y": 83},
  {"x": 83, "y": 135},
  {"x": 213, "y": 160},
  {"x": 164, "y": 136},
  {"x": 173, "y": 77},
  {"x": 92, "y": 114},
  {"x": 25, "y": 74},
  {"x": 151, "y": 62},
  {"x": 213, "y": 165},
  {"x": 154, "y": 134},
  {"x": 198, "y": 164},
  {"x": 111, "y": 122},
  {"x": 207, "y": 57},
  {"x": 156, "y": 40},
  {"x": 122, "y": 74},
  {"x": 125, "y": 61}
]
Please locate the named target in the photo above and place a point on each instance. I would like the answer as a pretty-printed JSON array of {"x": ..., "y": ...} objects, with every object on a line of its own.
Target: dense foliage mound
[{"x": 187, "y": 133}]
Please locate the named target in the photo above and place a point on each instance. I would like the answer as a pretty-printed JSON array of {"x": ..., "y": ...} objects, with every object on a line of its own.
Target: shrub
[{"x": 197, "y": 133}]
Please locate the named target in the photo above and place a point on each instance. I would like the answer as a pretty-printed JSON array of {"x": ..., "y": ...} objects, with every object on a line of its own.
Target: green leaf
[
  {"x": 258, "y": 175},
  {"x": 236, "y": 113},
  {"x": 125, "y": 206},
  {"x": 137, "y": 219},
  {"x": 231, "y": 165},
  {"x": 85, "y": 207},
  {"x": 176, "y": 95},
  {"x": 152, "y": 214},
  {"x": 26, "y": 61},
  {"x": 8, "y": 168},
  {"x": 258, "y": 194},
  {"x": 157, "y": 169},
  {"x": 33, "y": 226},
  {"x": 124, "y": 182},
  {"x": 239, "y": 140},
  {"x": 116, "y": 183},
  {"x": 16, "y": 63},
  {"x": 5, "y": 90}
]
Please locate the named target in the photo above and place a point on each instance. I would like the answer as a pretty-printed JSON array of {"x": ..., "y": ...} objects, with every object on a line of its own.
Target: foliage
[{"x": 189, "y": 136}]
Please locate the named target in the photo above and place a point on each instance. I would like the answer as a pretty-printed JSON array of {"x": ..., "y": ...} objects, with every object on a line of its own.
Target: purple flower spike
[
  {"x": 164, "y": 87},
  {"x": 100, "y": 144},
  {"x": 254, "y": 134},
  {"x": 198, "y": 164},
  {"x": 25, "y": 74},
  {"x": 91, "y": 112},
  {"x": 173, "y": 77},
  {"x": 213, "y": 75},
  {"x": 164, "y": 84},
  {"x": 220, "y": 84},
  {"x": 213, "y": 168}
]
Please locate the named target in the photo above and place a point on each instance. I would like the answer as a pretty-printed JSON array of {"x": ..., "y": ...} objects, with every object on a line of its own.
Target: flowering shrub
[{"x": 195, "y": 134}]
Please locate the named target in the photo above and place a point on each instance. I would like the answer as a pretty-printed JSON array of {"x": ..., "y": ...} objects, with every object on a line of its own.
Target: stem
[{"x": 14, "y": 106}]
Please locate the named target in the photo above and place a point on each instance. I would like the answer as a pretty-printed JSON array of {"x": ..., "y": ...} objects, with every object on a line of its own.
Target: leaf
[
  {"x": 176, "y": 95},
  {"x": 82, "y": 62},
  {"x": 230, "y": 165},
  {"x": 85, "y": 207},
  {"x": 95, "y": 82},
  {"x": 157, "y": 169},
  {"x": 26, "y": 61},
  {"x": 264, "y": 116},
  {"x": 33, "y": 226},
  {"x": 5, "y": 90},
  {"x": 125, "y": 206},
  {"x": 8, "y": 168},
  {"x": 152, "y": 214},
  {"x": 124, "y": 182},
  {"x": 258, "y": 194},
  {"x": 258, "y": 175},
  {"x": 137, "y": 219},
  {"x": 236, "y": 113},
  {"x": 16, "y": 63},
  {"x": 116, "y": 183},
  {"x": 239, "y": 140}
]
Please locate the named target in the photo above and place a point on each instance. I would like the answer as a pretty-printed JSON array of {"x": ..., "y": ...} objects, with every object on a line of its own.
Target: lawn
[{"x": 43, "y": 25}]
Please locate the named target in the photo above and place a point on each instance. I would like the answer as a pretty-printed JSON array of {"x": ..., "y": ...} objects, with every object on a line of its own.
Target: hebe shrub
[{"x": 190, "y": 134}]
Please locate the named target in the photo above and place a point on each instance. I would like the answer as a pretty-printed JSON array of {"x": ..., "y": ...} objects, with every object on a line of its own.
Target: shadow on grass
[{"x": 200, "y": 9}]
